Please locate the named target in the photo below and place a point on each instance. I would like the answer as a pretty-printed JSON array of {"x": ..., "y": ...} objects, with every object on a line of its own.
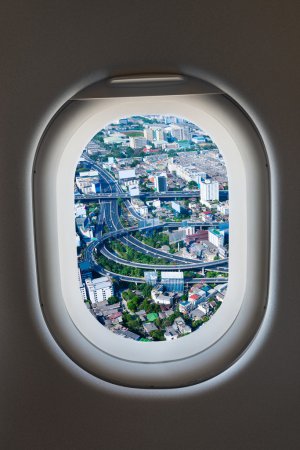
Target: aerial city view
[{"x": 152, "y": 231}]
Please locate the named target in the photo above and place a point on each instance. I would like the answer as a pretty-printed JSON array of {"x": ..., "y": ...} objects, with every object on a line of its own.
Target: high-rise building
[
  {"x": 160, "y": 183},
  {"x": 172, "y": 281},
  {"x": 149, "y": 134},
  {"x": 159, "y": 134},
  {"x": 81, "y": 286},
  {"x": 150, "y": 277},
  {"x": 176, "y": 132},
  {"x": 137, "y": 142},
  {"x": 209, "y": 190},
  {"x": 216, "y": 237},
  {"x": 154, "y": 134},
  {"x": 99, "y": 289},
  {"x": 186, "y": 134}
]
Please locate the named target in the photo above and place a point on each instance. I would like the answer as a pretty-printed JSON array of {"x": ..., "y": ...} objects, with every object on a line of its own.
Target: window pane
[{"x": 151, "y": 214}]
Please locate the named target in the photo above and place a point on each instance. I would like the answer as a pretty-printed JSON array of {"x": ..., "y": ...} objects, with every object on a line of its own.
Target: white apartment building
[
  {"x": 178, "y": 132},
  {"x": 99, "y": 289},
  {"x": 216, "y": 237},
  {"x": 149, "y": 134},
  {"x": 160, "y": 182},
  {"x": 209, "y": 190},
  {"x": 159, "y": 134},
  {"x": 81, "y": 286},
  {"x": 154, "y": 134}
]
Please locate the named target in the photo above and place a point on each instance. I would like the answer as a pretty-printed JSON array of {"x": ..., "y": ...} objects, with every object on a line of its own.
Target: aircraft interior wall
[{"x": 49, "y": 51}]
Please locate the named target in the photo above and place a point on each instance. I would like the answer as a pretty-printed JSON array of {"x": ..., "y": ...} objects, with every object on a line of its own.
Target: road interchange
[{"x": 110, "y": 215}]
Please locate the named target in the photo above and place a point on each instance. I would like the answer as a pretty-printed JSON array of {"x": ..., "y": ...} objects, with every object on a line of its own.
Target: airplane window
[
  {"x": 148, "y": 169},
  {"x": 152, "y": 222}
]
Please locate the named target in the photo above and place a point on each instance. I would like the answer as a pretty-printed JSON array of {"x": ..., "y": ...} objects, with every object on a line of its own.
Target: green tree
[
  {"x": 192, "y": 185},
  {"x": 154, "y": 308},
  {"x": 189, "y": 274},
  {"x": 146, "y": 290},
  {"x": 132, "y": 305},
  {"x": 111, "y": 300},
  {"x": 211, "y": 274},
  {"x": 158, "y": 322},
  {"x": 134, "y": 325},
  {"x": 196, "y": 324},
  {"x": 134, "y": 163},
  {"x": 157, "y": 335},
  {"x": 146, "y": 305}
]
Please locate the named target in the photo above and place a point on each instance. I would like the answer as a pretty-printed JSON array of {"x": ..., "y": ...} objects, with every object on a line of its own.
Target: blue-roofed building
[{"x": 185, "y": 307}]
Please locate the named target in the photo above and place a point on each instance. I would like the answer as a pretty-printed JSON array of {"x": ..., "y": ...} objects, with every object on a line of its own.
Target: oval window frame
[{"x": 212, "y": 348}]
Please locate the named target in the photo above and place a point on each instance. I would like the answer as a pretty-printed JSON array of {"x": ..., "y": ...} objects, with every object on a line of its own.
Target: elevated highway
[
  {"x": 179, "y": 266},
  {"x": 109, "y": 213},
  {"x": 148, "y": 195}
]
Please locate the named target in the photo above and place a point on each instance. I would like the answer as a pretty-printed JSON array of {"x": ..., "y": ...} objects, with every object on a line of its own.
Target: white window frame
[{"x": 216, "y": 345}]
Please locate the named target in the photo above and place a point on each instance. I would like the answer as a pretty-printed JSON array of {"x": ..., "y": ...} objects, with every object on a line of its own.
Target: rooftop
[
  {"x": 174, "y": 275},
  {"x": 152, "y": 317}
]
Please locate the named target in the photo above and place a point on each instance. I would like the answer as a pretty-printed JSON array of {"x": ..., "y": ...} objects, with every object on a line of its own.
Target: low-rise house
[
  {"x": 185, "y": 307},
  {"x": 141, "y": 314},
  {"x": 116, "y": 317},
  {"x": 162, "y": 298},
  {"x": 108, "y": 323},
  {"x": 170, "y": 334},
  {"x": 205, "y": 288},
  {"x": 212, "y": 304},
  {"x": 204, "y": 307},
  {"x": 194, "y": 300},
  {"x": 127, "y": 334},
  {"x": 197, "y": 314},
  {"x": 148, "y": 327},
  {"x": 151, "y": 317},
  {"x": 180, "y": 326},
  {"x": 104, "y": 309}
]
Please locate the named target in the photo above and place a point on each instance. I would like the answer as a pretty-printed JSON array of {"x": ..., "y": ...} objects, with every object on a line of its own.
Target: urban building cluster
[{"x": 151, "y": 214}]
